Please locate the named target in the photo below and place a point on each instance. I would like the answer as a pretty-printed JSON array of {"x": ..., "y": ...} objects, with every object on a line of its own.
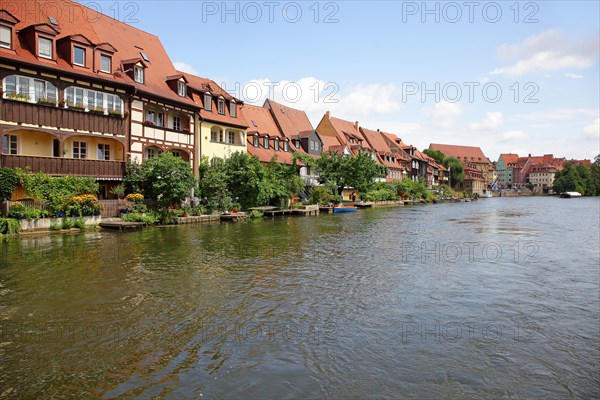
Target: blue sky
[{"x": 370, "y": 62}]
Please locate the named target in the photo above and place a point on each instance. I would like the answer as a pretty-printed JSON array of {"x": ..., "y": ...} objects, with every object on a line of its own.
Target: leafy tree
[
  {"x": 213, "y": 181},
  {"x": 358, "y": 172},
  {"x": 283, "y": 181},
  {"x": 435, "y": 154},
  {"x": 8, "y": 182},
  {"x": 246, "y": 180},
  {"x": 579, "y": 178},
  {"x": 166, "y": 179},
  {"x": 457, "y": 171}
]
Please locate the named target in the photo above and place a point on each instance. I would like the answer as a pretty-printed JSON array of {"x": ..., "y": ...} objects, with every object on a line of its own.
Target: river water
[{"x": 492, "y": 299}]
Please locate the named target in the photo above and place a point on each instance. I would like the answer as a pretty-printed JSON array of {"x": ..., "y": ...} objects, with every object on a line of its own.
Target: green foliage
[
  {"x": 118, "y": 190},
  {"x": 8, "y": 182},
  {"x": 132, "y": 181},
  {"x": 412, "y": 190},
  {"x": 9, "y": 226},
  {"x": 255, "y": 214},
  {"x": 79, "y": 223},
  {"x": 320, "y": 195},
  {"x": 457, "y": 171},
  {"x": 213, "y": 181},
  {"x": 137, "y": 217},
  {"x": 435, "y": 154},
  {"x": 165, "y": 216},
  {"x": 579, "y": 178},
  {"x": 358, "y": 172},
  {"x": 55, "y": 226},
  {"x": 67, "y": 223},
  {"x": 84, "y": 205},
  {"x": 165, "y": 179},
  {"x": 380, "y": 195},
  {"x": 20, "y": 211}
]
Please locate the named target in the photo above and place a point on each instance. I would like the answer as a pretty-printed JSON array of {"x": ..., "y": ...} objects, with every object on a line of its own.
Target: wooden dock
[{"x": 233, "y": 217}]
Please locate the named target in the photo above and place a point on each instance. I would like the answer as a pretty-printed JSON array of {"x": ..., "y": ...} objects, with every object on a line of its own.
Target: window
[
  {"x": 44, "y": 47},
  {"x": 160, "y": 119},
  {"x": 5, "y": 37},
  {"x": 255, "y": 141},
  {"x": 177, "y": 122},
  {"x": 105, "y": 63},
  {"x": 79, "y": 56},
  {"x": 207, "y": 102},
  {"x": 103, "y": 152},
  {"x": 312, "y": 144},
  {"x": 176, "y": 153},
  {"x": 151, "y": 116},
  {"x": 276, "y": 144},
  {"x": 215, "y": 135},
  {"x": 74, "y": 96},
  {"x": 233, "y": 109},
  {"x": 9, "y": 144},
  {"x": 152, "y": 151},
  {"x": 95, "y": 100},
  {"x": 266, "y": 142},
  {"x": 28, "y": 88},
  {"x": 79, "y": 150},
  {"x": 138, "y": 74},
  {"x": 230, "y": 137},
  {"x": 221, "y": 107},
  {"x": 286, "y": 146},
  {"x": 113, "y": 103},
  {"x": 181, "y": 89}
]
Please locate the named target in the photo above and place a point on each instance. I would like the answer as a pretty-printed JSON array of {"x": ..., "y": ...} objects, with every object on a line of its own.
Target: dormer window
[
  {"x": 79, "y": 56},
  {"x": 297, "y": 143},
  {"x": 181, "y": 89},
  {"x": 221, "y": 106},
  {"x": 255, "y": 141},
  {"x": 5, "y": 37},
  {"x": 105, "y": 63},
  {"x": 44, "y": 47},
  {"x": 138, "y": 74},
  {"x": 266, "y": 142},
  {"x": 286, "y": 145},
  {"x": 276, "y": 144},
  {"x": 232, "y": 109},
  {"x": 207, "y": 102}
]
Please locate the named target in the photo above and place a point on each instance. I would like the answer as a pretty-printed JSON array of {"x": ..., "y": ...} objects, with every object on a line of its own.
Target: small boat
[
  {"x": 486, "y": 195},
  {"x": 363, "y": 205},
  {"x": 569, "y": 195},
  {"x": 344, "y": 209}
]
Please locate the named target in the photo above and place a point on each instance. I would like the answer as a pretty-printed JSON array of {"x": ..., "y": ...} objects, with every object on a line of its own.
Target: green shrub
[
  {"x": 320, "y": 195},
  {"x": 137, "y": 217},
  {"x": 165, "y": 216},
  {"x": 380, "y": 195},
  {"x": 67, "y": 223},
  {"x": 8, "y": 182},
  {"x": 55, "y": 227},
  {"x": 255, "y": 214},
  {"x": 79, "y": 223},
  {"x": 9, "y": 226}
]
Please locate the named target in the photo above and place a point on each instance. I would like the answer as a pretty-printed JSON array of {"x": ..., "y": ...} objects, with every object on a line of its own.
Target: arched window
[
  {"x": 152, "y": 151},
  {"x": 23, "y": 88},
  {"x": 255, "y": 140},
  {"x": 215, "y": 134},
  {"x": 266, "y": 142},
  {"x": 276, "y": 144}
]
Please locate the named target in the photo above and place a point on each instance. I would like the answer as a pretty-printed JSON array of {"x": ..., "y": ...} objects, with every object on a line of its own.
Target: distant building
[
  {"x": 475, "y": 163},
  {"x": 505, "y": 165}
]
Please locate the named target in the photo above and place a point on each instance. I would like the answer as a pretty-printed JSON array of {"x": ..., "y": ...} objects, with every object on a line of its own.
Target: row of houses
[
  {"x": 536, "y": 171},
  {"x": 82, "y": 99}
]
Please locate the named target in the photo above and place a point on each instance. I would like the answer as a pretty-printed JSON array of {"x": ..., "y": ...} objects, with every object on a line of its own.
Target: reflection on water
[{"x": 492, "y": 299}]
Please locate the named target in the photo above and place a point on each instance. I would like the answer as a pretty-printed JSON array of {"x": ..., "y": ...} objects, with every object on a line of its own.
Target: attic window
[
  {"x": 276, "y": 145},
  {"x": 79, "y": 56},
  {"x": 138, "y": 74},
  {"x": 53, "y": 20},
  {"x": 232, "y": 109},
  {"x": 5, "y": 37},
  {"x": 181, "y": 89},
  {"x": 266, "y": 142},
  {"x": 207, "y": 102},
  {"x": 255, "y": 141},
  {"x": 221, "y": 106},
  {"x": 144, "y": 56},
  {"x": 44, "y": 47},
  {"x": 105, "y": 63},
  {"x": 286, "y": 145}
]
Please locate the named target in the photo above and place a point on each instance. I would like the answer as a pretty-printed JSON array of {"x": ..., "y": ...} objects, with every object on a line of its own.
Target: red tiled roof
[
  {"x": 290, "y": 120},
  {"x": 509, "y": 158},
  {"x": 260, "y": 120},
  {"x": 74, "y": 19},
  {"x": 472, "y": 153}
]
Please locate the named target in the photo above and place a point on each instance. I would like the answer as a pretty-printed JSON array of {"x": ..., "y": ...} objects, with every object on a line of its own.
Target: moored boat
[
  {"x": 569, "y": 195},
  {"x": 343, "y": 209}
]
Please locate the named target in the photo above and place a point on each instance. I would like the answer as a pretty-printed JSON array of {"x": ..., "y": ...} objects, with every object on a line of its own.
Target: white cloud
[
  {"x": 547, "y": 51},
  {"x": 510, "y": 135},
  {"x": 492, "y": 121},
  {"x": 184, "y": 67},
  {"x": 573, "y": 76},
  {"x": 443, "y": 115},
  {"x": 592, "y": 130}
]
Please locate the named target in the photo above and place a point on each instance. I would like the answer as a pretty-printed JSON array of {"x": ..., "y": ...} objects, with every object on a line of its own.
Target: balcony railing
[
  {"x": 98, "y": 169},
  {"x": 37, "y": 114}
]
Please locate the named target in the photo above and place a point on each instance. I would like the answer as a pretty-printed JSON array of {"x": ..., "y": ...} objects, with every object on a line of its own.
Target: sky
[{"x": 520, "y": 77}]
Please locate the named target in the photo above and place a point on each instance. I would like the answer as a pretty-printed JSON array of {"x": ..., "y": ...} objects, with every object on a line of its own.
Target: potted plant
[
  {"x": 47, "y": 102},
  {"x": 96, "y": 110},
  {"x": 18, "y": 96},
  {"x": 115, "y": 113}
]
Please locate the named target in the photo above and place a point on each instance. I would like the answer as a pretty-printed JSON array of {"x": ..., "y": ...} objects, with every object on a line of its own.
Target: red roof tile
[
  {"x": 509, "y": 158},
  {"x": 290, "y": 120},
  {"x": 473, "y": 154}
]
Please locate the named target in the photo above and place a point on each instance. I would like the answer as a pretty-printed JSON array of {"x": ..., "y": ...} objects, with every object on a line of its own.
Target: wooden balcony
[
  {"x": 81, "y": 121},
  {"x": 110, "y": 170}
]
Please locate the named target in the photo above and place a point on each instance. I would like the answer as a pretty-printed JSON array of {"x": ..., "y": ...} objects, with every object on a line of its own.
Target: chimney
[
  {"x": 327, "y": 115},
  {"x": 356, "y": 125},
  {"x": 377, "y": 129},
  {"x": 529, "y": 155}
]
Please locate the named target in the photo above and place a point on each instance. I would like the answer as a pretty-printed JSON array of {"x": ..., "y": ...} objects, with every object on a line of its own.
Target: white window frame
[
  {"x": 286, "y": 145},
  {"x": 138, "y": 74},
  {"x": 82, "y": 64},
  {"x": 5, "y": 34},
  {"x": 207, "y": 101},
  {"x": 177, "y": 122},
  {"x": 7, "y": 144},
  {"x": 79, "y": 150},
  {"x": 230, "y": 137},
  {"x": 75, "y": 95},
  {"x": 266, "y": 142},
  {"x": 221, "y": 106},
  {"x": 28, "y": 86},
  {"x": 276, "y": 144},
  {"x": 103, "y": 152},
  {"x": 42, "y": 39},
  {"x": 215, "y": 135},
  {"x": 181, "y": 89},
  {"x": 233, "y": 109},
  {"x": 156, "y": 151},
  {"x": 105, "y": 57}
]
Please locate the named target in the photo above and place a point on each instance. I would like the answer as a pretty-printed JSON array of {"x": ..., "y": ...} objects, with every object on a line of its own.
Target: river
[{"x": 497, "y": 298}]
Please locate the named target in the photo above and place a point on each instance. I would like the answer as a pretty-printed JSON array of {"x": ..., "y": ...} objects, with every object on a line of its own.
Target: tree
[
  {"x": 213, "y": 181},
  {"x": 435, "y": 154},
  {"x": 8, "y": 182},
  {"x": 167, "y": 180},
  {"x": 457, "y": 171},
  {"x": 578, "y": 178},
  {"x": 246, "y": 180},
  {"x": 358, "y": 172}
]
